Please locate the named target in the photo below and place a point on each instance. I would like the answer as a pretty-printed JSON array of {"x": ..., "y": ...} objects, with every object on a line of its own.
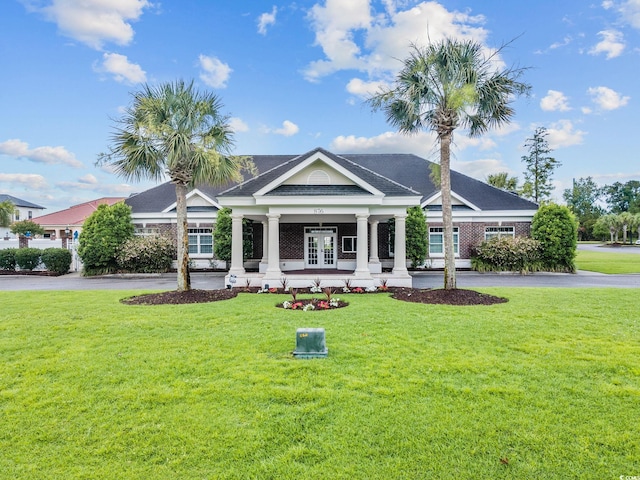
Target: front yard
[{"x": 544, "y": 386}]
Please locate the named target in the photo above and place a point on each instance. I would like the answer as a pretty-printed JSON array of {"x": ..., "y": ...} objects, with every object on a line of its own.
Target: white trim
[
  {"x": 191, "y": 194},
  {"x": 435, "y": 196},
  {"x": 305, "y": 163}
]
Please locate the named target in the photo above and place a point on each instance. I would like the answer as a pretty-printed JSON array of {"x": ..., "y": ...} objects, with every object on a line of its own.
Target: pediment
[
  {"x": 456, "y": 200},
  {"x": 196, "y": 200},
  {"x": 321, "y": 172}
]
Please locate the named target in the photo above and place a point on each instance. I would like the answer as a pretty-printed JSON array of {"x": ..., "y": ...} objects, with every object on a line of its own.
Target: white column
[
  {"x": 273, "y": 269},
  {"x": 400, "y": 254},
  {"x": 265, "y": 242},
  {"x": 373, "y": 255},
  {"x": 362, "y": 254},
  {"x": 237, "y": 267}
]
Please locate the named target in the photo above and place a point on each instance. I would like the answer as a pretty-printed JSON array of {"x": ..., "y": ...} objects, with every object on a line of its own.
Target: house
[
  {"x": 67, "y": 224},
  {"x": 25, "y": 210},
  {"x": 325, "y": 215}
]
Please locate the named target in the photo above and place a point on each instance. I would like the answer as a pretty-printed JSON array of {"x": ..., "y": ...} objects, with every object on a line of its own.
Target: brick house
[{"x": 326, "y": 215}]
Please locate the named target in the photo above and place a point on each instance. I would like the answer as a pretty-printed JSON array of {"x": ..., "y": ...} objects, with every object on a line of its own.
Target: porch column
[
  {"x": 373, "y": 258},
  {"x": 273, "y": 268},
  {"x": 265, "y": 242},
  {"x": 362, "y": 254},
  {"x": 237, "y": 267},
  {"x": 400, "y": 260}
]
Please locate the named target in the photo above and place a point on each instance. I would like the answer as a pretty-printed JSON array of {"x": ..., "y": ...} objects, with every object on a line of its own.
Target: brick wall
[{"x": 472, "y": 234}]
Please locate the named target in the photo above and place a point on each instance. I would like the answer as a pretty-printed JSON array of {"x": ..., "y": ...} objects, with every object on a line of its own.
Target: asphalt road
[{"x": 213, "y": 281}]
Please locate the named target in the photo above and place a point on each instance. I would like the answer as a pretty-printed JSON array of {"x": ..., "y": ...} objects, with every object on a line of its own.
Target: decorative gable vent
[{"x": 318, "y": 177}]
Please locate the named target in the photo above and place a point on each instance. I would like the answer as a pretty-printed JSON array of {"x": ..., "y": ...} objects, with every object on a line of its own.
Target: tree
[
  {"x": 627, "y": 221},
  {"x": 503, "y": 180},
  {"x": 104, "y": 233},
  {"x": 444, "y": 86},
  {"x": 175, "y": 130},
  {"x": 555, "y": 227},
  {"x": 539, "y": 167},
  {"x": 26, "y": 228},
  {"x": 582, "y": 199},
  {"x": 623, "y": 197},
  {"x": 608, "y": 223},
  {"x": 7, "y": 209},
  {"x": 417, "y": 244}
]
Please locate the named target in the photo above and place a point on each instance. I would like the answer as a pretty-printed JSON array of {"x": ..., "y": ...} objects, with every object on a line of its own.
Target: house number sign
[{"x": 318, "y": 210}]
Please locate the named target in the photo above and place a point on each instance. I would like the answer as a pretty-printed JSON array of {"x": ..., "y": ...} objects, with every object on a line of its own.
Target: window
[
  {"x": 200, "y": 241},
  {"x": 30, "y": 214},
  {"x": 349, "y": 244},
  {"x": 436, "y": 241},
  {"x": 497, "y": 232},
  {"x": 17, "y": 215}
]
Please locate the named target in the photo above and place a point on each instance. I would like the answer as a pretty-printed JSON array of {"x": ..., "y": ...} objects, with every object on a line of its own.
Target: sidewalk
[{"x": 215, "y": 281}]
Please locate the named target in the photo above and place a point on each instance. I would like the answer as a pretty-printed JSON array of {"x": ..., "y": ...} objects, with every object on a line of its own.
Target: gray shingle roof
[
  {"x": 392, "y": 174},
  {"x": 18, "y": 202}
]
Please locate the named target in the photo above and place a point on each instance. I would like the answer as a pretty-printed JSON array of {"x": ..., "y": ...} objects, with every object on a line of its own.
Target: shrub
[
  {"x": 222, "y": 234},
  {"x": 513, "y": 254},
  {"x": 8, "y": 259},
  {"x": 28, "y": 258},
  {"x": 103, "y": 234},
  {"x": 56, "y": 260},
  {"x": 146, "y": 254},
  {"x": 556, "y": 228},
  {"x": 417, "y": 244}
]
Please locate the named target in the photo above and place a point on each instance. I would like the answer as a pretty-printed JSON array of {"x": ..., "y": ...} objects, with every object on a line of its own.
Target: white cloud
[
  {"x": 423, "y": 144},
  {"x": 238, "y": 125},
  {"x": 106, "y": 189},
  {"x": 48, "y": 155},
  {"x": 353, "y": 36},
  {"x": 215, "y": 73},
  {"x": 30, "y": 180},
  {"x": 612, "y": 44},
  {"x": 630, "y": 12},
  {"x": 563, "y": 134},
  {"x": 122, "y": 70},
  {"x": 363, "y": 89},
  {"x": 607, "y": 99},
  {"x": 88, "y": 179},
  {"x": 267, "y": 19},
  {"x": 555, "y": 101},
  {"x": 288, "y": 129},
  {"x": 94, "y": 22},
  {"x": 480, "y": 168}
]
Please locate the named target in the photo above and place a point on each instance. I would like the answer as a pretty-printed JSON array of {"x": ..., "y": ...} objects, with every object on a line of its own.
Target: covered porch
[{"x": 327, "y": 244}]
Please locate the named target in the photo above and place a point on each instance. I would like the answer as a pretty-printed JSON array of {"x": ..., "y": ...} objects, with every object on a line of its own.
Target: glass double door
[{"x": 320, "y": 250}]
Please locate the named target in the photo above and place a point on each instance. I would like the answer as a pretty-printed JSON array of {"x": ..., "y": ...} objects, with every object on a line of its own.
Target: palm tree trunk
[
  {"x": 447, "y": 219},
  {"x": 184, "y": 280}
]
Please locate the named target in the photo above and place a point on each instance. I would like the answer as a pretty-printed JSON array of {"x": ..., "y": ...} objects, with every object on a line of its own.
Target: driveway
[{"x": 214, "y": 281}]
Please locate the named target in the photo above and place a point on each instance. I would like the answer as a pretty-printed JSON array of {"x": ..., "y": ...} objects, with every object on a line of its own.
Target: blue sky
[{"x": 294, "y": 75}]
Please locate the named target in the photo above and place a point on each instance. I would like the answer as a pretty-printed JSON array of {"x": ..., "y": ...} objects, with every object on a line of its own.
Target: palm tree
[
  {"x": 503, "y": 181},
  {"x": 7, "y": 209},
  {"x": 444, "y": 86},
  {"x": 175, "y": 130}
]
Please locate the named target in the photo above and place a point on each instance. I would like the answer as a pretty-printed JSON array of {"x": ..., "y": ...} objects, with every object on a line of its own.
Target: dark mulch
[
  {"x": 176, "y": 298},
  {"x": 456, "y": 296},
  {"x": 39, "y": 273},
  {"x": 436, "y": 296}
]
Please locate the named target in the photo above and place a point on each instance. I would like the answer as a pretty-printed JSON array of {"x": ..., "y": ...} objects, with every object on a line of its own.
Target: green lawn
[
  {"x": 544, "y": 386},
  {"x": 608, "y": 262}
]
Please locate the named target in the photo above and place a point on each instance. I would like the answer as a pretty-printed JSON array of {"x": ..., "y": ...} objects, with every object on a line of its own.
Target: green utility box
[{"x": 310, "y": 343}]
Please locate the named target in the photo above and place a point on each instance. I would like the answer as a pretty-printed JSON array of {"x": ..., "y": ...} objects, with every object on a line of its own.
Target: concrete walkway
[{"x": 214, "y": 281}]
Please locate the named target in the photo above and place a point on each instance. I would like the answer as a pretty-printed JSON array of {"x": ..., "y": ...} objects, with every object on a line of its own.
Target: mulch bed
[{"x": 435, "y": 296}]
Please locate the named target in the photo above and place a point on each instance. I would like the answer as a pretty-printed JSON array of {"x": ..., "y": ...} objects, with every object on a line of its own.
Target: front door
[{"x": 320, "y": 248}]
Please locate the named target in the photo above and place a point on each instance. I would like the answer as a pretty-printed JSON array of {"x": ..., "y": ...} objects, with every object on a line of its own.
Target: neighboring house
[
  {"x": 67, "y": 224},
  {"x": 327, "y": 213},
  {"x": 24, "y": 211}
]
